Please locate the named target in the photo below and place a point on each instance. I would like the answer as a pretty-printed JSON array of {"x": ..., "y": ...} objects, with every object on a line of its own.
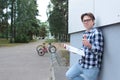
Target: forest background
[{"x": 19, "y": 23}]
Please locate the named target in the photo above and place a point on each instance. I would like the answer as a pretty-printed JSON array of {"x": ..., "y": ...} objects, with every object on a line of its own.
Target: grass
[
  {"x": 6, "y": 43},
  {"x": 50, "y": 40},
  {"x": 61, "y": 50},
  {"x": 65, "y": 54}
]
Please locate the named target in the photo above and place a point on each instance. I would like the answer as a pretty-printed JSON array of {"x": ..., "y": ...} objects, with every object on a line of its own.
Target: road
[{"x": 22, "y": 63}]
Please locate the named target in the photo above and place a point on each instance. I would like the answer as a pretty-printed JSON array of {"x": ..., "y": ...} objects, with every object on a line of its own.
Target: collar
[{"x": 90, "y": 31}]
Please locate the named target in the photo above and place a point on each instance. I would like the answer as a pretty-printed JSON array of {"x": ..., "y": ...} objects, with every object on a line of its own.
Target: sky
[{"x": 42, "y": 6}]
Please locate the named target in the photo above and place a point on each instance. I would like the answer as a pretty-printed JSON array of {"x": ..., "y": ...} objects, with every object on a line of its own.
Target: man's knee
[{"x": 69, "y": 76}]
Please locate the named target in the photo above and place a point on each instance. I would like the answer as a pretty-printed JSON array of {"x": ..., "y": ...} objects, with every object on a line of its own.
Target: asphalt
[{"x": 23, "y": 63}]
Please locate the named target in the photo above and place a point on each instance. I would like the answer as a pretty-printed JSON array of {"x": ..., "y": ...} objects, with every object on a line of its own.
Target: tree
[
  {"x": 26, "y": 22},
  {"x": 58, "y": 19},
  {"x": 4, "y": 18},
  {"x": 43, "y": 32}
]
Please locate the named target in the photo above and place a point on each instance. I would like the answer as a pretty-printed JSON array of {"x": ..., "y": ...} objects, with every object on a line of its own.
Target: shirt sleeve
[{"x": 97, "y": 45}]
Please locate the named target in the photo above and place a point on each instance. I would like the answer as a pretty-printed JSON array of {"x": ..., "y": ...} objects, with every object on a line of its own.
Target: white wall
[
  {"x": 106, "y": 12},
  {"x": 76, "y": 8}
]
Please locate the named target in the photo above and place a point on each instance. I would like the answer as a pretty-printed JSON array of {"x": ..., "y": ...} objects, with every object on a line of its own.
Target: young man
[{"x": 88, "y": 67}]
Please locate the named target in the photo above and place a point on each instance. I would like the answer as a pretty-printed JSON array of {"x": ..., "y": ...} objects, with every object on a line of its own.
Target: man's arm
[{"x": 97, "y": 46}]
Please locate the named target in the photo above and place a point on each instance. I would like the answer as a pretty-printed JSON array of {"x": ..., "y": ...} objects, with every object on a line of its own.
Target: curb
[
  {"x": 57, "y": 69},
  {"x": 53, "y": 60},
  {"x": 52, "y": 73}
]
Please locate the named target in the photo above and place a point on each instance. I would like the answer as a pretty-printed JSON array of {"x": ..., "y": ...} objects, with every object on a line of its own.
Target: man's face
[{"x": 88, "y": 22}]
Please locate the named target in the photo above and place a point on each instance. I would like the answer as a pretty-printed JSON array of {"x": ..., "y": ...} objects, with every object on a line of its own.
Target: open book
[{"x": 74, "y": 50}]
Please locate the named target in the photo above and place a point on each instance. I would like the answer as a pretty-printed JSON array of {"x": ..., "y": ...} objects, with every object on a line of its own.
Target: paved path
[{"x": 22, "y": 63}]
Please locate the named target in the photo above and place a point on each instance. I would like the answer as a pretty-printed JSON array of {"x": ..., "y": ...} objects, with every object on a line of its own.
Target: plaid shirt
[{"x": 93, "y": 56}]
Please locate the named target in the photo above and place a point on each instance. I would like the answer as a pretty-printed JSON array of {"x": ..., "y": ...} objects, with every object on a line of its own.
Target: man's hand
[{"x": 86, "y": 42}]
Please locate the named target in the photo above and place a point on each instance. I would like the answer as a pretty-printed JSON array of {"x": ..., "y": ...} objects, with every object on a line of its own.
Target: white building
[{"x": 107, "y": 13}]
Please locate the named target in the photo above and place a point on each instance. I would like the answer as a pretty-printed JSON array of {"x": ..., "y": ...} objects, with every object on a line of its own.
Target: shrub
[
  {"x": 50, "y": 40},
  {"x": 22, "y": 38}
]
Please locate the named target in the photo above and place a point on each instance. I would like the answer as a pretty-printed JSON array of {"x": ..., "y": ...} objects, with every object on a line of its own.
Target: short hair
[{"x": 88, "y": 14}]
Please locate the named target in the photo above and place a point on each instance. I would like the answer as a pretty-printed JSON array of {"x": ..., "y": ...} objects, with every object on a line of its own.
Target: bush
[
  {"x": 50, "y": 40},
  {"x": 22, "y": 38}
]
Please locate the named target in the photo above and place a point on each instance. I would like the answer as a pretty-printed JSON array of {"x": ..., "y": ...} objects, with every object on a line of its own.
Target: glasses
[{"x": 87, "y": 20}]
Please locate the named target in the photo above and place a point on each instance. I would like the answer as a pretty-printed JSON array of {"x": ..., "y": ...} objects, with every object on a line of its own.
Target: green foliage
[
  {"x": 26, "y": 21},
  {"x": 25, "y": 24},
  {"x": 50, "y": 40},
  {"x": 3, "y": 17},
  {"x": 43, "y": 30},
  {"x": 22, "y": 38},
  {"x": 58, "y": 19},
  {"x": 22, "y": 14}
]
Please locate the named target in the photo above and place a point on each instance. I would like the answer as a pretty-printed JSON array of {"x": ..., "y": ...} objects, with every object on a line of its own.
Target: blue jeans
[{"x": 76, "y": 72}]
